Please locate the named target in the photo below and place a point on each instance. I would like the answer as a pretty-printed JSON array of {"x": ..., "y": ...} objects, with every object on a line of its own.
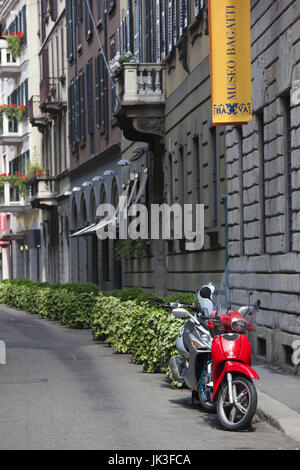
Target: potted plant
[
  {"x": 14, "y": 42},
  {"x": 12, "y": 111},
  {"x": 116, "y": 64}
]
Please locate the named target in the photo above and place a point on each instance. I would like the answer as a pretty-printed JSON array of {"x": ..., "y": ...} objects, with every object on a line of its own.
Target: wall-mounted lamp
[
  {"x": 96, "y": 179},
  {"x": 140, "y": 149},
  {"x": 124, "y": 163},
  {"x": 24, "y": 248},
  {"x": 109, "y": 173}
]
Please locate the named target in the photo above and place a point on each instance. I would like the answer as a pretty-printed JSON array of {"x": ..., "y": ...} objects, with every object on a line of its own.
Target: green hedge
[
  {"x": 70, "y": 306},
  {"x": 139, "y": 295},
  {"x": 146, "y": 332}
]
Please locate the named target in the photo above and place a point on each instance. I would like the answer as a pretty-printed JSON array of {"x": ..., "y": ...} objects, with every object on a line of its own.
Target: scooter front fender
[{"x": 234, "y": 366}]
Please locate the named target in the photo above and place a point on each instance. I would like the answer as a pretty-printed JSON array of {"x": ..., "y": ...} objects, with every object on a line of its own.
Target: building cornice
[{"x": 93, "y": 162}]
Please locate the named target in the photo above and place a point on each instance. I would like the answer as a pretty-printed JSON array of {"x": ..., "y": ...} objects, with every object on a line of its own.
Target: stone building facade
[
  {"x": 264, "y": 185},
  {"x": 185, "y": 156}
]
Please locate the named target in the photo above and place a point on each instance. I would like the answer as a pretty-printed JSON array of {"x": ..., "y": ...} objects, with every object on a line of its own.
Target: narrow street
[{"x": 60, "y": 390}]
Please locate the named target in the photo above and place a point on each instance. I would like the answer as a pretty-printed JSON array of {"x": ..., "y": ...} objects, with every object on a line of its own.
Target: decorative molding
[{"x": 151, "y": 125}]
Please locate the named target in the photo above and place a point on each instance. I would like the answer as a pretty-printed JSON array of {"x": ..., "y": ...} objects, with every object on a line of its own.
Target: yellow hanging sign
[{"x": 230, "y": 61}]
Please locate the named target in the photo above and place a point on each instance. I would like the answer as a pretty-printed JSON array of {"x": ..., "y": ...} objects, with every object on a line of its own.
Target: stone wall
[{"x": 264, "y": 185}]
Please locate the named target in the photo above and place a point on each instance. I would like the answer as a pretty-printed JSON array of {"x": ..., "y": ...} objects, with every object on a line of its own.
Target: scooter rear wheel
[{"x": 239, "y": 415}]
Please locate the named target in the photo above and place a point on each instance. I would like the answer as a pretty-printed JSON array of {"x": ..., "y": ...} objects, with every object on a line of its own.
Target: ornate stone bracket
[{"x": 150, "y": 125}]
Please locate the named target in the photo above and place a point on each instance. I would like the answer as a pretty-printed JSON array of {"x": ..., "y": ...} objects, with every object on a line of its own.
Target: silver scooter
[{"x": 193, "y": 365}]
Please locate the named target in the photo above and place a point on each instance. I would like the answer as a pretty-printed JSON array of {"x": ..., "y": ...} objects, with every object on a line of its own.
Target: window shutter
[
  {"x": 170, "y": 22},
  {"x": 44, "y": 7},
  {"x": 70, "y": 113},
  {"x": 54, "y": 12},
  {"x": 99, "y": 10},
  {"x": 102, "y": 72},
  {"x": 88, "y": 21},
  {"x": 138, "y": 31},
  {"x": 175, "y": 23},
  {"x": 97, "y": 89},
  {"x": 158, "y": 32},
  {"x": 149, "y": 31},
  {"x": 69, "y": 30},
  {"x": 24, "y": 24},
  {"x": 90, "y": 97},
  {"x": 82, "y": 106}
]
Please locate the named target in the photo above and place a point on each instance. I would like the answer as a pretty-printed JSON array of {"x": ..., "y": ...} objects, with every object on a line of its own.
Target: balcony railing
[
  {"x": 141, "y": 84},
  {"x": 11, "y": 201},
  {"x": 11, "y": 132},
  {"x": 9, "y": 66},
  {"x": 36, "y": 117},
  {"x": 52, "y": 98},
  {"x": 43, "y": 191},
  {"x": 140, "y": 108}
]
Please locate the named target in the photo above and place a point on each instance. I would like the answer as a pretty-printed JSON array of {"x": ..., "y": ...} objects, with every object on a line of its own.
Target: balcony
[
  {"x": 11, "y": 132},
  {"x": 36, "y": 117},
  {"x": 52, "y": 100},
  {"x": 11, "y": 201},
  {"x": 141, "y": 108},
  {"x": 9, "y": 66},
  {"x": 43, "y": 191}
]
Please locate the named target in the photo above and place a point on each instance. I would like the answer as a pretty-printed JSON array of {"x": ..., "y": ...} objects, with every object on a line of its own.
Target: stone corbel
[{"x": 150, "y": 125}]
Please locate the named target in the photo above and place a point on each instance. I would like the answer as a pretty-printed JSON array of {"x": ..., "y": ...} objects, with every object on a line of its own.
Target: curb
[{"x": 279, "y": 416}]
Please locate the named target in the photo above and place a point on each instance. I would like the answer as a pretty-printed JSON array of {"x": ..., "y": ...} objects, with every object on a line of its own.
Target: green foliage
[
  {"x": 146, "y": 332},
  {"x": 70, "y": 304},
  {"x": 129, "y": 249},
  {"x": 183, "y": 296},
  {"x": 131, "y": 293}
]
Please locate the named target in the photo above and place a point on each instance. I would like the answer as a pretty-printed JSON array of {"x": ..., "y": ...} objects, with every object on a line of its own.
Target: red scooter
[{"x": 232, "y": 390}]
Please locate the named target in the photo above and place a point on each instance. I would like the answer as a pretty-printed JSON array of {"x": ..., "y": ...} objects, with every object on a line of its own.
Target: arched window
[{"x": 74, "y": 215}]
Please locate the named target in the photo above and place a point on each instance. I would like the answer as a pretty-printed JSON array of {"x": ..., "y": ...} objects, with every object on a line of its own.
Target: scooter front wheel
[{"x": 239, "y": 414}]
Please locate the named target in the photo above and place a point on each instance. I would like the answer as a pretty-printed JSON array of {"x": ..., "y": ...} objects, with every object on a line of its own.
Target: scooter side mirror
[
  {"x": 181, "y": 313},
  {"x": 205, "y": 293}
]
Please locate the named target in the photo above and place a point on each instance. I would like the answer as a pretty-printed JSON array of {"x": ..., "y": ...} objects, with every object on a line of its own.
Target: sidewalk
[{"x": 279, "y": 400}]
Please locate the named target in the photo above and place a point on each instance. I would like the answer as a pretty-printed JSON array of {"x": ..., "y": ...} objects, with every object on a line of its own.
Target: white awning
[{"x": 82, "y": 231}]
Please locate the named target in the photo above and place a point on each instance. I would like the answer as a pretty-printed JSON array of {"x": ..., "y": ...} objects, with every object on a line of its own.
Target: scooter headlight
[{"x": 239, "y": 325}]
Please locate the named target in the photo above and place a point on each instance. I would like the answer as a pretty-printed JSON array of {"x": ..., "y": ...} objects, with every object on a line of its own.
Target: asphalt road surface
[{"x": 60, "y": 390}]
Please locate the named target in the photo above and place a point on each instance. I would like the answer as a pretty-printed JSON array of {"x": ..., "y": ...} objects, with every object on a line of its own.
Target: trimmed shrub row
[
  {"x": 71, "y": 307},
  {"x": 146, "y": 332}
]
